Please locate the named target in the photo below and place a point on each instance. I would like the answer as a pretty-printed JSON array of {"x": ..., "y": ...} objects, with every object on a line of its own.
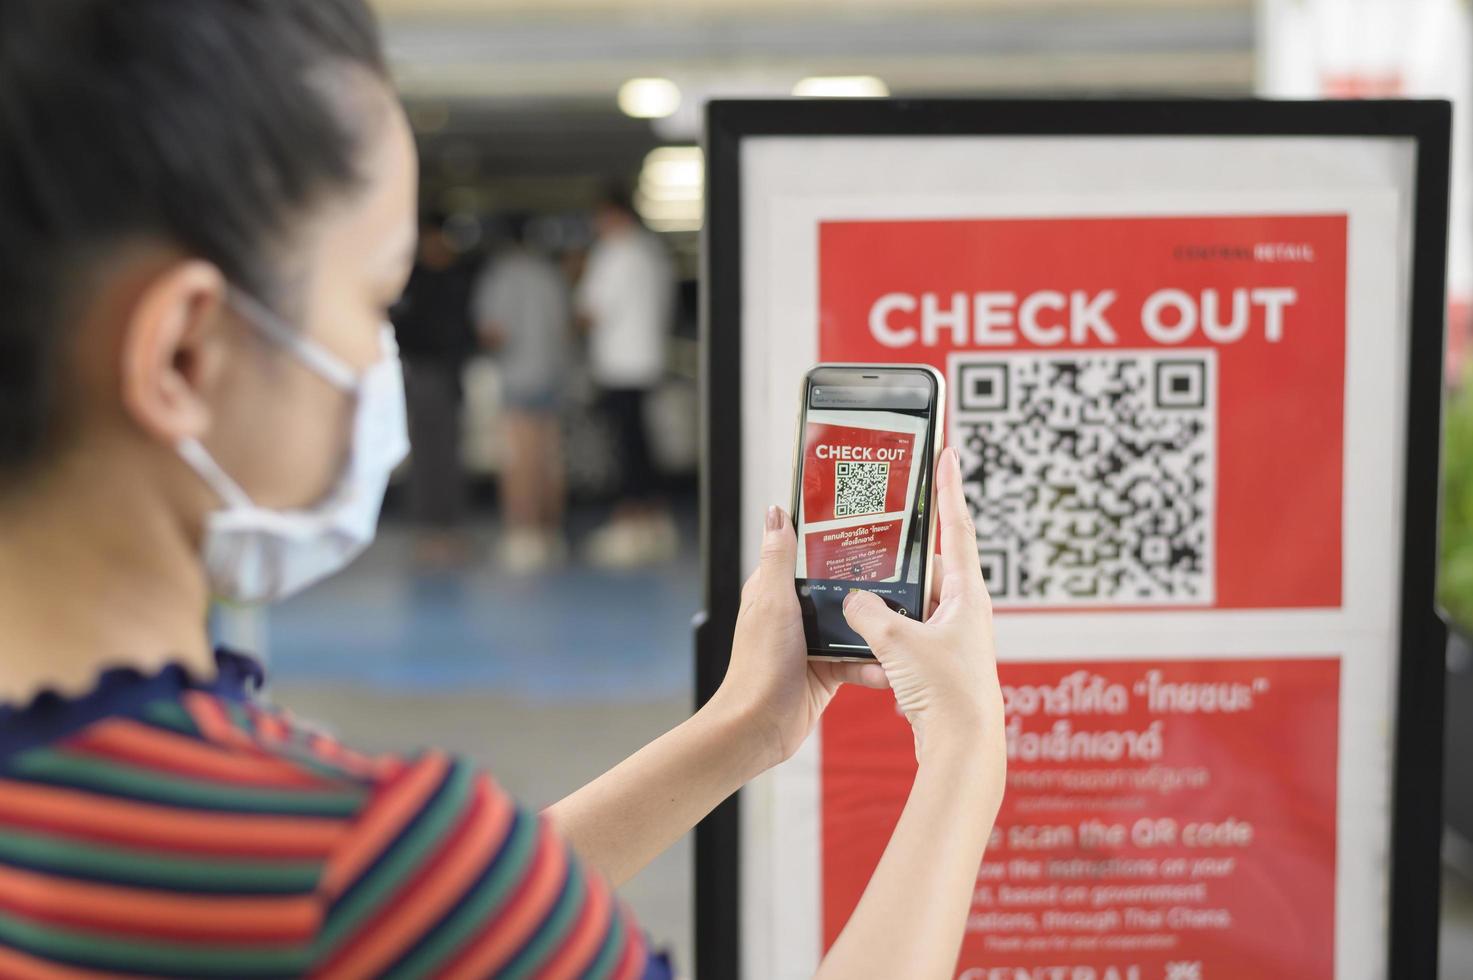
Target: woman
[{"x": 206, "y": 209}]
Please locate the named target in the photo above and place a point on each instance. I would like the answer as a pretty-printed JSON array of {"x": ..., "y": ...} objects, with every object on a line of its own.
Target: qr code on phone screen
[
  {"x": 859, "y": 488},
  {"x": 1091, "y": 475}
]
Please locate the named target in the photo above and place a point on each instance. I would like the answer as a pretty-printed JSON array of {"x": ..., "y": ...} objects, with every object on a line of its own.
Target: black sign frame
[{"x": 1416, "y": 819}]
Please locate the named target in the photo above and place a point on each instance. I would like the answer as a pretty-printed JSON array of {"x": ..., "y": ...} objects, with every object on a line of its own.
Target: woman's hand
[
  {"x": 943, "y": 671},
  {"x": 771, "y": 688},
  {"x": 913, "y": 914}
]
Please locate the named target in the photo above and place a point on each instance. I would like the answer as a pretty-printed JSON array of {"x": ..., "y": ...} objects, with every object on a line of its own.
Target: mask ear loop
[
  {"x": 200, "y": 460},
  {"x": 322, "y": 361}
]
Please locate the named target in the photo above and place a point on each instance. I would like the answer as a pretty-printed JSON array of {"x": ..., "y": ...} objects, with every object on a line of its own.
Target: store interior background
[{"x": 533, "y": 107}]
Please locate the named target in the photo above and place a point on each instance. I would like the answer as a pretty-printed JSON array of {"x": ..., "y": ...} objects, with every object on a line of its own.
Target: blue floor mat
[{"x": 572, "y": 634}]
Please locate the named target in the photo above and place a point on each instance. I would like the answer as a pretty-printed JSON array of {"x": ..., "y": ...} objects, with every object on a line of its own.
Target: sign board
[{"x": 1193, "y": 355}]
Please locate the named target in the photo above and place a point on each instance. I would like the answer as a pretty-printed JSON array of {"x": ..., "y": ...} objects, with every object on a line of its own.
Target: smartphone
[{"x": 862, "y": 473}]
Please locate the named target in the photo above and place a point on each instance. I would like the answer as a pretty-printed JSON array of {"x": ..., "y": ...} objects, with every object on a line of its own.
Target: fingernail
[
  {"x": 774, "y": 518},
  {"x": 850, "y": 598}
]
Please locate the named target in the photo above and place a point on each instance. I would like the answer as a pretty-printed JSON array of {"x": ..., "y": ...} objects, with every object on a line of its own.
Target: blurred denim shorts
[{"x": 538, "y": 401}]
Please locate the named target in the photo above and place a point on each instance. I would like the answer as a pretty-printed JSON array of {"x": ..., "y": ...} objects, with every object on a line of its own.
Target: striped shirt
[{"x": 158, "y": 827}]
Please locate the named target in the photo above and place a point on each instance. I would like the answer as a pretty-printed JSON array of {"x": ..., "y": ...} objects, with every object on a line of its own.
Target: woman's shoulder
[
  {"x": 380, "y": 862},
  {"x": 193, "y": 795},
  {"x": 166, "y": 738}
]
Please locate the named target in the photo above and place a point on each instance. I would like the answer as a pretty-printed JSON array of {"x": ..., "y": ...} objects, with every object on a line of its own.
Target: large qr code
[
  {"x": 1091, "y": 475},
  {"x": 859, "y": 488}
]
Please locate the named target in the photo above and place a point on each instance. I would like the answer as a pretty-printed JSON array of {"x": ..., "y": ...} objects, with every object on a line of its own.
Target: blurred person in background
[
  {"x": 524, "y": 315},
  {"x": 433, "y": 325},
  {"x": 207, "y": 208},
  {"x": 625, "y": 301}
]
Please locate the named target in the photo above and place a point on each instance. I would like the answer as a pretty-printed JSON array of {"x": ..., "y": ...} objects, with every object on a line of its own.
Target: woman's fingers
[
  {"x": 846, "y": 672},
  {"x": 880, "y": 626},
  {"x": 779, "y": 556},
  {"x": 937, "y": 574},
  {"x": 961, "y": 571}
]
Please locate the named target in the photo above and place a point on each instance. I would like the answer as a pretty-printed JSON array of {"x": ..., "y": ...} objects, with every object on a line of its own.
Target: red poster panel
[
  {"x": 1167, "y": 820},
  {"x": 1146, "y": 407},
  {"x": 858, "y": 486}
]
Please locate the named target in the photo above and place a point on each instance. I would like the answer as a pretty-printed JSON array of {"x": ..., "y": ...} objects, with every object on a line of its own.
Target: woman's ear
[{"x": 171, "y": 351}]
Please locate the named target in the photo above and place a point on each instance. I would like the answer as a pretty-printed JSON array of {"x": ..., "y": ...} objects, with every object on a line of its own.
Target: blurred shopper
[
  {"x": 626, "y": 303},
  {"x": 206, "y": 208},
  {"x": 433, "y": 323},
  {"x": 524, "y": 314}
]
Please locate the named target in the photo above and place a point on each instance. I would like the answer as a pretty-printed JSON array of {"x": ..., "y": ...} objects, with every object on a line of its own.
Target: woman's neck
[{"x": 95, "y": 572}]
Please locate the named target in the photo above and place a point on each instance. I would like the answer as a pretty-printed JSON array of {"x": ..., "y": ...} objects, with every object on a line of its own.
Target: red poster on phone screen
[{"x": 857, "y": 483}]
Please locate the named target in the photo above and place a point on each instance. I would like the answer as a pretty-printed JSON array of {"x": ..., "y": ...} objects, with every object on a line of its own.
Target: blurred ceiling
[
  {"x": 575, "y": 8},
  {"x": 584, "y": 48},
  {"x": 521, "y": 94}
]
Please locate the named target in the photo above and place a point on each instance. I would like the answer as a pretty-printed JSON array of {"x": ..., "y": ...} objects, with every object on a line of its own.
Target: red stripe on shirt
[
  {"x": 15, "y": 965},
  {"x": 270, "y": 727},
  {"x": 145, "y": 912},
  {"x": 127, "y": 741},
  {"x": 215, "y": 723},
  {"x": 524, "y": 910},
  {"x": 587, "y": 935},
  {"x": 103, "y": 819},
  {"x": 391, "y": 808},
  {"x": 435, "y": 888},
  {"x": 632, "y": 964}
]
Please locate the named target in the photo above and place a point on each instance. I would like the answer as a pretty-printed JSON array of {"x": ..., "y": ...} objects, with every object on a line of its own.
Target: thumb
[
  {"x": 836, "y": 672},
  {"x": 779, "y": 556},
  {"x": 879, "y": 625}
]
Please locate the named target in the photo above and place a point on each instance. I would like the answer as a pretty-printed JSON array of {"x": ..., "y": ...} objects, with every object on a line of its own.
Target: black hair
[
  {"x": 209, "y": 124},
  {"x": 616, "y": 195},
  {"x": 516, "y": 226}
]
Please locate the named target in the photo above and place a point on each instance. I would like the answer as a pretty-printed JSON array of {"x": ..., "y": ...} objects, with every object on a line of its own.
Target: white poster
[{"x": 1119, "y": 320}]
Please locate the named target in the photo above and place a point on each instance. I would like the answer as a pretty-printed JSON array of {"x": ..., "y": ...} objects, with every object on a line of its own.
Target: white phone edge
[{"x": 940, "y": 431}]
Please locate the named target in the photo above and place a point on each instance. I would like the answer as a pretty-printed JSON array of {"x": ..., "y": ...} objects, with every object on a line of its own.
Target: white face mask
[{"x": 254, "y": 554}]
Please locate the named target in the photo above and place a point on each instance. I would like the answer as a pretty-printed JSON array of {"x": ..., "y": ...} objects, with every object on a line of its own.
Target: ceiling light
[
  {"x": 842, "y": 87},
  {"x": 649, "y": 98},
  {"x": 671, "y": 189}
]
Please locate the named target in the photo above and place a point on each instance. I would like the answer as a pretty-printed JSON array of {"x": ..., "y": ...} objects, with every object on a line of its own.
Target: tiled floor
[{"x": 548, "y": 681}]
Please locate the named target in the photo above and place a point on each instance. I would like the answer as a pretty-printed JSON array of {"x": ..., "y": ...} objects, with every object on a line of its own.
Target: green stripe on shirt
[
  {"x": 79, "y": 771},
  {"x": 144, "y": 956},
  {"x": 607, "y": 960},
  {"x": 151, "y": 869},
  {"x": 435, "y": 822},
  {"x": 480, "y": 906},
  {"x": 170, "y": 715},
  {"x": 554, "y": 928}
]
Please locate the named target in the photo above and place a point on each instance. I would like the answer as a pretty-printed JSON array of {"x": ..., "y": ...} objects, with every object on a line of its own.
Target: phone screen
[{"x": 862, "y": 490}]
